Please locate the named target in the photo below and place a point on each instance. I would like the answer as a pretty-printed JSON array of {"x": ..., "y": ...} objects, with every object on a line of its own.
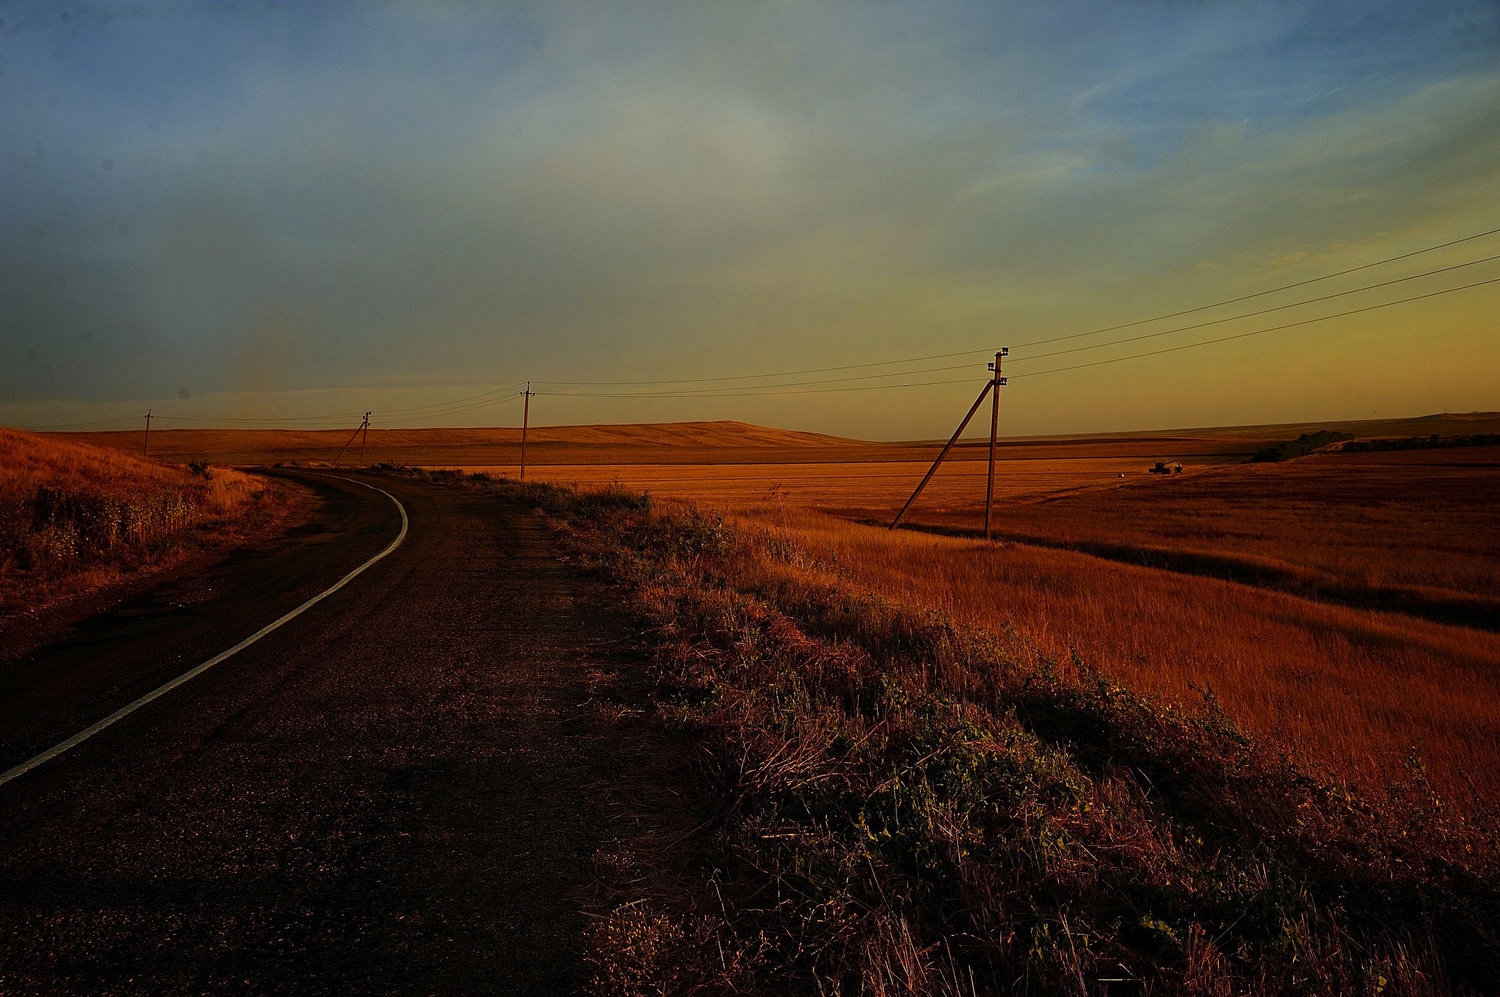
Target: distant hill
[
  {"x": 667, "y": 442},
  {"x": 727, "y": 442},
  {"x": 1444, "y": 424},
  {"x": 700, "y": 434}
]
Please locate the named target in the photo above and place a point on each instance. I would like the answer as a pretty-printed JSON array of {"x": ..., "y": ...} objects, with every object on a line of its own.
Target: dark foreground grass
[{"x": 901, "y": 808}]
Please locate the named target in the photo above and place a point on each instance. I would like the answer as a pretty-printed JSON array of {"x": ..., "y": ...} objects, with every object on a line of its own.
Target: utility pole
[
  {"x": 997, "y": 382},
  {"x": 988, "y": 387},
  {"x": 146, "y": 446},
  {"x": 525, "y": 422},
  {"x": 366, "y": 436},
  {"x": 363, "y": 425}
]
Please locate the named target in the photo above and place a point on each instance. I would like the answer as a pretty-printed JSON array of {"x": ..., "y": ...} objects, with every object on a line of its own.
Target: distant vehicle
[{"x": 1167, "y": 467}]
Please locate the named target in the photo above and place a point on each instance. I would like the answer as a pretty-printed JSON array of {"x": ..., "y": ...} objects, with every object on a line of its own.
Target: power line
[
  {"x": 1261, "y": 294},
  {"x": 1262, "y": 311},
  {"x": 1042, "y": 342},
  {"x": 81, "y": 425},
  {"x": 460, "y": 409},
  {"x": 450, "y": 407},
  {"x": 751, "y": 391},
  {"x": 457, "y": 401},
  {"x": 730, "y": 391},
  {"x": 500, "y": 395},
  {"x": 1261, "y": 332},
  {"x": 735, "y": 391},
  {"x": 331, "y": 416}
]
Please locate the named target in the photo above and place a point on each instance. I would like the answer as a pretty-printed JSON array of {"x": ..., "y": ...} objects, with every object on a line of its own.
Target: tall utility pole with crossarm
[
  {"x": 364, "y": 424},
  {"x": 996, "y": 383},
  {"x": 525, "y": 423},
  {"x": 993, "y": 384}
]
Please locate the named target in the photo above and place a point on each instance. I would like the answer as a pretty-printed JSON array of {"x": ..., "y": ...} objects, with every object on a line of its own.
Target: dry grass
[
  {"x": 1294, "y": 652},
  {"x": 497, "y": 450},
  {"x": 1356, "y": 692},
  {"x": 857, "y": 489},
  {"x": 74, "y": 517},
  {"x": 908, "y": 805},
  {"x": 1326, "y": 520}
]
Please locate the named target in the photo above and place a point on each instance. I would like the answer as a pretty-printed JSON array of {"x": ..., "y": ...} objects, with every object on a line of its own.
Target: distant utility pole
[
  {"x": 363, "y": 425},
  {"x": 996, "y": 383},
  {"x": 146, "y": 446},
  {"x": 993, "y": 384},
  {"x": 525, "y": 423},
  {"x": 366, "y": 435}
]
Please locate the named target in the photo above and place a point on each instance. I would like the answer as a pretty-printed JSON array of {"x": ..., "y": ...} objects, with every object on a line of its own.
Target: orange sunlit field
[
  {"x": 75, "y": 517},
  {"x": 1343, "y": 606},
  {"x": 1352, "y": 690},
  {"x": 1338, "y": 640}
]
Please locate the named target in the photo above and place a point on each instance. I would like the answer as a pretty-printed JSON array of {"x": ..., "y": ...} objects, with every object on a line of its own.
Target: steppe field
[
  {"x": 1233, "y": 728},
  {"x": 1340, "y": 606}
]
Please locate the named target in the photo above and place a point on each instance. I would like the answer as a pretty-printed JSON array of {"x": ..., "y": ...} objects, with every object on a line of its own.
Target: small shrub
[{"x": 1300, "y": 447}]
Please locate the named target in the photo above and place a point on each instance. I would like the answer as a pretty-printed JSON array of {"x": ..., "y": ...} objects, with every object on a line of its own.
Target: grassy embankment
[
  {"x": 908, "y": 805},
  {"x": 75, "y": 518}
]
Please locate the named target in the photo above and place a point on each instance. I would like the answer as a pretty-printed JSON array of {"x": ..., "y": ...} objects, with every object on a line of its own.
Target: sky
[{"x": 284, "y": 214}]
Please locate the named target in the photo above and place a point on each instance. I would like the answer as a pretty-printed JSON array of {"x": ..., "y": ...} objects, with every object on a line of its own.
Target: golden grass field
[
  {"x": 76, "y": 517},
  {"x": 1351, "y": 690},
  {"x": 1319, "y": 600},
  {"x": 1359, "y": 692}
]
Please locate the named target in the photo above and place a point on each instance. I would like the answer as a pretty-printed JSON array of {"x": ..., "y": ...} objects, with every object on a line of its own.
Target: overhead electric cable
[
  {"x": 474, "y": 407},
  {"x": 1042, "y": 342},
  {"x": 757, "y": 393},
  {"x": 81, "y": 425},
  {"x": 733, "y": 390},
  {"x": 752, "y": 391},
  {"x": 328, "y": 417},
  {"x": 455, "y": 401},
  {"x": 1262, "y": 311},
  {"x": 1259, "y": 332},
  {"x": 1261, "y": 294},
  {"x": 488, "y": 398}
]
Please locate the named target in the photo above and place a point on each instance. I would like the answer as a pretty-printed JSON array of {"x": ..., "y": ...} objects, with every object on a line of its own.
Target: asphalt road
[{"x": 397, "y": 791}]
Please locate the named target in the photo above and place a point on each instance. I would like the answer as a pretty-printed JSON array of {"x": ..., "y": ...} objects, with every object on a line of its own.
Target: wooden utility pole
[
  {"x": 363, "y": 425},
  {"x": 525, "y": 423},
  {"x": 996, "y": 382},
  {"x": 988, "y": 386},
  {"x": 146, "y": 446},
  {"x": 365, "y": 436}
]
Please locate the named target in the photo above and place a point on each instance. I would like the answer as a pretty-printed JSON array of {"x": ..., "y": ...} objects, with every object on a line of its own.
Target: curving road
[{"x": 390, "y": 793}]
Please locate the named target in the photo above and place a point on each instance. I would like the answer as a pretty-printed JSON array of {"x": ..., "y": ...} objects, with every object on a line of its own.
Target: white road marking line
[{"x": 160, "y": 691}]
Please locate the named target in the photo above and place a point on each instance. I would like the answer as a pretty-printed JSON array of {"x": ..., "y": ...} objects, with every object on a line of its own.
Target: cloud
[{"x": 459, "y": 192}]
